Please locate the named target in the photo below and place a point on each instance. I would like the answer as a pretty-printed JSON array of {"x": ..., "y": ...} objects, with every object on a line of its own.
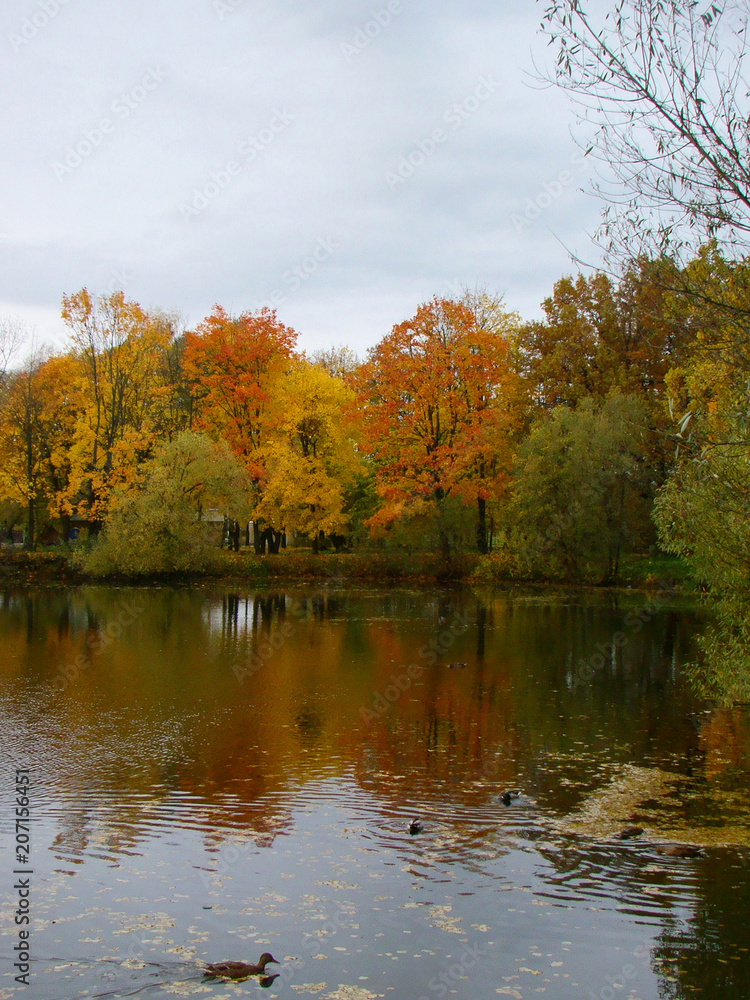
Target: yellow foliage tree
[
  {"x": 119, "y": 348},
  {"x": 311, "y": 455}
]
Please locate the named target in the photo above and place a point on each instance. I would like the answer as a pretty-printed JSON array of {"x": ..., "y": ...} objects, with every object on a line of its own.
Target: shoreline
[{"x": 55, "y": 568}]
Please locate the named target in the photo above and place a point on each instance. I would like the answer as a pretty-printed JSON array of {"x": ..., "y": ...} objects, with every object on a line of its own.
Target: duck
[
  {"x": 680, "y": 850},
  {"x": 507, "y": 797},
  {"x": 415, "y": 827},
  {"x": 240, "y": 970},
  {"x": 456, "y": 666},
  {"x": 628, "y": 832}
]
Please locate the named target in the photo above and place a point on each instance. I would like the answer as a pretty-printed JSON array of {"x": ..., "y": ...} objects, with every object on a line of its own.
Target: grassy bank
[
  {"x": 22, "y": 568},
  {"x": 345, "y": 566},
  {"x": 58, "y": 567}
]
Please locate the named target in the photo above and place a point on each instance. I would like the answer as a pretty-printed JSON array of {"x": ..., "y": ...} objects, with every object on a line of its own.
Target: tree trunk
[
  {"x": 273, "y": 539},
  {"x": 31, "y": 517},
  {"x": 444, "y": 538},
  {"x": 482, "y": 526},
  {"x": 259, "y": 539}
]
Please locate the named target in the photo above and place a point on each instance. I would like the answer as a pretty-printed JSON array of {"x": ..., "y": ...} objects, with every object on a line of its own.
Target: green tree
[
  {"x": 157, "y": 525},
  {"x": 703, "y": 515},
  {"x": 578, "y": 491}
]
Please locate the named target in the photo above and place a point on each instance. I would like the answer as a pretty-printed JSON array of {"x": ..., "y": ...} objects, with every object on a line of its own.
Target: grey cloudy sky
[{"x": 340, "y": 161}]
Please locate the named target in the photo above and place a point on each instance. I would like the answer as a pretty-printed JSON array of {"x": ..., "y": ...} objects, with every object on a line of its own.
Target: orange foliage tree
[
  {"x": 233, "y": 364},
  {"x": 440, "y": 401}
]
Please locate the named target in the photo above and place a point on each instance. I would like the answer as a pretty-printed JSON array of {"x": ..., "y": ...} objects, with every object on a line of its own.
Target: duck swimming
[
  {"x": 415, "y": 827},
  {"x": 680, "y": 850},
  {"x": 628, "y": 832},
  {"x": 507, "y": 797},
  {"x": 240, "y": 970}
]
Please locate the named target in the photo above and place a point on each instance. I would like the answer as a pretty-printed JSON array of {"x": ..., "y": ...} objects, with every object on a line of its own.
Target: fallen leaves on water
[
  {"x": 345, "y": 992},
  {"x": 183, "y": 988},
  {"x": 439, "y": 918}
]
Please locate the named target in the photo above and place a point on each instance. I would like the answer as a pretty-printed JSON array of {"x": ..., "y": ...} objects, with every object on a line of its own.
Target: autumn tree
[
  {"x": 599, "y": 335},
  {"x": 23, "y": 441},
  {"x": 234, "y": 365},
  {"x": 490, "y": 466},
  {"x": 63, "y": 387},
  {"x": 438, "y": 397},
  {"x": 118, "y": 346},
  {"x": 341, "y": 362},
  {"x": 173, "y": 402},
  {"x": 310, "y": 455},
  {"x": 232, "y": 362}
]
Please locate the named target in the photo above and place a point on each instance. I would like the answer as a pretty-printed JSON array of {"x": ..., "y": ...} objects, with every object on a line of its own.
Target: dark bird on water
[
  {"x": 507, "y": 797},
  {"x": 240, "y": 970},
  {"x": 680, "y": 850},
  {"x": 415, "y": 827},
  {"x": 456, "y": 666},
  {"x": 628, "y": 832}
]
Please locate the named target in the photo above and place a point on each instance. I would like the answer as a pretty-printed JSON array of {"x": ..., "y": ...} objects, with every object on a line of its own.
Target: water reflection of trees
[
  {"x": 708, "y": 957},
  {"x": 158, "y": 732}
]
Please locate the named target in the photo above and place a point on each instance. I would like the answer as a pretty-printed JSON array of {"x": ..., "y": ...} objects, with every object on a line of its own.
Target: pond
[{"x": 213, "y": 775}]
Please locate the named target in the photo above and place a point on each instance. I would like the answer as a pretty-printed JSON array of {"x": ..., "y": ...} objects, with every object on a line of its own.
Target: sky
[{"x": 339, "y": 162}]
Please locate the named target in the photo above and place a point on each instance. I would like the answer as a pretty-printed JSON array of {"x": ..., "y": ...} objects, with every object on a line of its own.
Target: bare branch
[{"x": 664, "y": 107}]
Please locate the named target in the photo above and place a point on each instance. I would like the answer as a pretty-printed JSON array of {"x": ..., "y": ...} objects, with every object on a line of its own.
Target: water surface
[{"x": 219, "y": 774}]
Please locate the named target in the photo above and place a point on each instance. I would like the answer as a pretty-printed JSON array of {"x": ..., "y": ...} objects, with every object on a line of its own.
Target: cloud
[{"x": 227, "y": 74}]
